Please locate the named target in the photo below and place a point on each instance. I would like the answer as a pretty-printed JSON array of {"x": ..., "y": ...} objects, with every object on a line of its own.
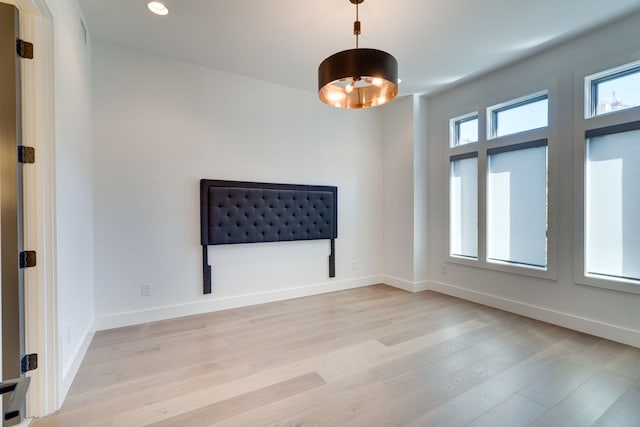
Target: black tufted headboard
[{"x": 250, "y": 212}]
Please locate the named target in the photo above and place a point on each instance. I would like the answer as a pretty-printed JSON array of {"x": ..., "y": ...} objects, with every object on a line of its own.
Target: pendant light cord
[
  {"x": 358, "y": 21},
  {"x": 356, "y": 26}
]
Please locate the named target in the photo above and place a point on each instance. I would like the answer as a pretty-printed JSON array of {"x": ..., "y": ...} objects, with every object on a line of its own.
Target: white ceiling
[{"x": 436, "y": 42}]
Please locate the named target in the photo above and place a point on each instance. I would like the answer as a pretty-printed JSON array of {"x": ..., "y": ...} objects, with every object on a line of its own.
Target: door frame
[{"x": 38, "y": 131}]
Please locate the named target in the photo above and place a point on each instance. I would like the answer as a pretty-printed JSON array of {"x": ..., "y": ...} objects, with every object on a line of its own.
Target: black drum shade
[{"x": 358, "y": 78}]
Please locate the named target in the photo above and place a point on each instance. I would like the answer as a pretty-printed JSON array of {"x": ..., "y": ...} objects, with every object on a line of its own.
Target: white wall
[
  {"x": 599, "y": 311},
  {"x": 74, "y": 187},
  {"x": 420, "y": 192},
  {"x": 405, "y": 192},
  {"x": 398, "y": 191},
  {"x": 159, "y": 127}
]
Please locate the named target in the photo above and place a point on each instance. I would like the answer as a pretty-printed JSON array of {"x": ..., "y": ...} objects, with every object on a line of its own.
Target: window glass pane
[
  {"x": 464, "y": 208},
  {"x": 466, "y": 131},
  {"x": 612, "y": 198},
  {"x": 617, "y": 92},
  {"x": 521, "y": 117},
  {"x": 517, "y": 207}
]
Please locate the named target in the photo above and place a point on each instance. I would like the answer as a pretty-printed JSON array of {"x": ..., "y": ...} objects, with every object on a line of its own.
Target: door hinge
[
  {"x": 27, "y": 259},
  {"x": 29, "y": 362},
  {"x": 26, "y": 154},
  {"x": 24, "y": 49}
]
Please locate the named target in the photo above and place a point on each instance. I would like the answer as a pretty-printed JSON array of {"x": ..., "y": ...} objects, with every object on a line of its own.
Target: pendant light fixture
[{"x": 358, "y": 78}]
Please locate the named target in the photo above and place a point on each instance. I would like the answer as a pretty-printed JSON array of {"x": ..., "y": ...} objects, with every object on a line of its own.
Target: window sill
[
  {"x": 517, "y": 269},
  {"x": 627, "y": 286}
]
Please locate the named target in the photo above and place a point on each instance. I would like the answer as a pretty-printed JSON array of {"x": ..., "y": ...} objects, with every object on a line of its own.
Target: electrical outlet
[
  {"x": 354, "y": 266},
  {"x": 443, "y": 269},
  {"x": 145, "y": 290}
]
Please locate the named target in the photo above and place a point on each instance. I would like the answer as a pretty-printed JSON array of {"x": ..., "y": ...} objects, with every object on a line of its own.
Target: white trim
[
  {"x": 25, "y": 422},
  {"x": 589, "y": 111},
  {"x": 571, "y": 321},
  {"x": 70, "y": 371},
  {"x": 492, "y": 130},
  {"x": 453, "y": 134},
  {"x": 118, "y": 320},
  {"x": 582, "y": 124},
  {"x": 405, "y": 284},
  {"x": 550, "y": 88},
  {"x": 39, "y": 206}
]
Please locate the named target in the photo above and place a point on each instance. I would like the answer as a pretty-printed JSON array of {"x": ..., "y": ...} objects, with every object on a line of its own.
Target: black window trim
[
  {"x": 463, "y": 156},
  {"x": 516, "y": 147},
  {"x": 610, "y": 130}
]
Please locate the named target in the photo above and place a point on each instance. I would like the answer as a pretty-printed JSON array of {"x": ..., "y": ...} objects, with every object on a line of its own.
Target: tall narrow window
[
  {"x": 612, "y": 202},
  {"x": 463, "y": 206},
  {"x": 517, "y": 204}
]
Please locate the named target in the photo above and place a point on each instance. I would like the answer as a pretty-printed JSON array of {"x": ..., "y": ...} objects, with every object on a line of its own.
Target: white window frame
[
  {"x": 589, "y": 93},
  {"x": 584, "y": 123},
  {"x": 492, "y": 128},
  {"x": 486, "y": 142},
  {"x": 454, "y": 126},
  {"x": 511, "y": 148},
  {"x": 472, "y": 154}
]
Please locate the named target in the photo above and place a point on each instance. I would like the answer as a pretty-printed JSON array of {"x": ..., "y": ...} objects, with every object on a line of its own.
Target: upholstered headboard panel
[{"x": 251, "y": 212}]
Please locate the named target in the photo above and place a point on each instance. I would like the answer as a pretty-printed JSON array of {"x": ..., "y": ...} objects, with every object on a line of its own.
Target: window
[
  {"x": 498, "y": 187},
  {"x": 463, "y": 201},
  {"x": 613, "y": 90},
  {"x": 519, "y": 115},
  {"x": 517, "y": 204},
  {"x": 464, "y": 130},
  {"x": 612, "y": 202}
]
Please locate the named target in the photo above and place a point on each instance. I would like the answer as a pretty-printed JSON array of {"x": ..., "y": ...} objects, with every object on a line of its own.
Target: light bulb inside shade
[
  {"x": 336, "y": 96},
  {"x": 157, "y": 8},
  {"x": 349, "y": 88}
]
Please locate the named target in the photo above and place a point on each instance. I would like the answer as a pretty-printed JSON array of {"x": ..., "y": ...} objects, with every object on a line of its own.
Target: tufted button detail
[{"x": 266, "y": 215}]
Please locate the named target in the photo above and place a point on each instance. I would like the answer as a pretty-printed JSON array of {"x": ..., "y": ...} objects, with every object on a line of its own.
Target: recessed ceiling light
[{"x": 157, "y": 8}]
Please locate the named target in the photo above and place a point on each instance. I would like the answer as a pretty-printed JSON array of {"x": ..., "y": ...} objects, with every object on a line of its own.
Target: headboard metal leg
[
  {"x": 332, "y": 259},
  {"x": 206, "y": 271}
]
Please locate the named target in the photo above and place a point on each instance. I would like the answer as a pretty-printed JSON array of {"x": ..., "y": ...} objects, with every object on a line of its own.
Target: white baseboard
[
  {"x": 216, "y": 304},
  {"x": 405, "y": 284},
  {"x": 71, "y": 369},
  {"x": 570, "y": 321}
]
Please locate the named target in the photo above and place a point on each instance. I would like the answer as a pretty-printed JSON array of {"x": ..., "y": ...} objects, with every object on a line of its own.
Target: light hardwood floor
[{"x": 374, "y": 356}]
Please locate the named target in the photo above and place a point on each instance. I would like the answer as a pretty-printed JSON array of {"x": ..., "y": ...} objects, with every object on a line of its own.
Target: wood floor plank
[
  {"x": 627, "y": 363},
  {"x": 386, "y": 379},
  {"x": 411, "y": 394},
  {"x": 588, "y": 403},
  {"x": 517, "y": 411},
  {"x": 331, "y": 367},
  {"x": 625, "y": 412},
  {"x": 137, "y": 366},
  {"x": 361, "y": 357},
  {"x": 222, "y": 410},
  {"x": 467, "y": 406},
  {"x": 560, "y": 381}
]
